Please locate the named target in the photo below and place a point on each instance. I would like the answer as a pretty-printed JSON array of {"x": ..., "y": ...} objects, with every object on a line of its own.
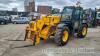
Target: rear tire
[
  {"x": 60, "y": 39},
  {"x": 83, "y": 32}
]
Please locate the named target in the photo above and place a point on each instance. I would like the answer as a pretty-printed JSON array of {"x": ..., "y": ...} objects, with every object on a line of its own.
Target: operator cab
[
  {"x": 73, "y": 17},
  {"x": 71, "y": 13}
]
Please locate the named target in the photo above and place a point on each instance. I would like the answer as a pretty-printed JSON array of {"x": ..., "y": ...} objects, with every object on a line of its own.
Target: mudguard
[{"x": 61, "y": 25}]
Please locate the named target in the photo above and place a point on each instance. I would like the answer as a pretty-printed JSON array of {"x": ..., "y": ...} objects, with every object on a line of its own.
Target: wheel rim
[
  {"x": 65, "y": 36},
  {"x": 84, "y": 31}
]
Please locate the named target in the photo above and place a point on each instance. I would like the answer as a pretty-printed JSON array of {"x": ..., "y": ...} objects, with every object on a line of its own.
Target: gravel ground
[{"x": 12, "y": 44}]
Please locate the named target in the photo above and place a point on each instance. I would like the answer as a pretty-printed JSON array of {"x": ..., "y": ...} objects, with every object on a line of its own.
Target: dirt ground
[{"x": 12, "y": 44}]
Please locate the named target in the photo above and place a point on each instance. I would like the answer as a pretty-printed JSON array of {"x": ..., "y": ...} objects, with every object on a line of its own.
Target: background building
[
  {"x": 44, "y": 9},
  {"x": 29, "y": 5}
]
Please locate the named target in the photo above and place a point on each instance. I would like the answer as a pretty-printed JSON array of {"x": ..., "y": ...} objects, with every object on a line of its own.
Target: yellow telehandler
[{"x": 61, "y": 27}]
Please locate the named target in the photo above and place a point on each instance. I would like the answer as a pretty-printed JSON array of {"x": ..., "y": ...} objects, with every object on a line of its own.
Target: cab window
[{"x": 77, "y": 14}]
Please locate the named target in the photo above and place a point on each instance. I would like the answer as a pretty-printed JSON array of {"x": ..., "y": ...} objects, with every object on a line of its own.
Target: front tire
[{"x": 62, "y": 36}]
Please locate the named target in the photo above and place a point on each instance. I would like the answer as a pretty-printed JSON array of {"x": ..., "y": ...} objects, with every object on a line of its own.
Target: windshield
[
  {"x": 67, "y": 11},
  {"x": 66, "y": 14}
]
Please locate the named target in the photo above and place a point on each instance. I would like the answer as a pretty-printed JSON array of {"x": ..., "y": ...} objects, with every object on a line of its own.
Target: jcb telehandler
[{"x": 62, "y": 28}]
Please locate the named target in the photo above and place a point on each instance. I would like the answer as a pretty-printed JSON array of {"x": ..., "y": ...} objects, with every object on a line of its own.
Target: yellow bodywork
[{"x": 42, "y": 28}]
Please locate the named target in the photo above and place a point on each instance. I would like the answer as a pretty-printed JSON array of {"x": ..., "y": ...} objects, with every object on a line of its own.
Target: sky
[{"x": 9, "y": 4}]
